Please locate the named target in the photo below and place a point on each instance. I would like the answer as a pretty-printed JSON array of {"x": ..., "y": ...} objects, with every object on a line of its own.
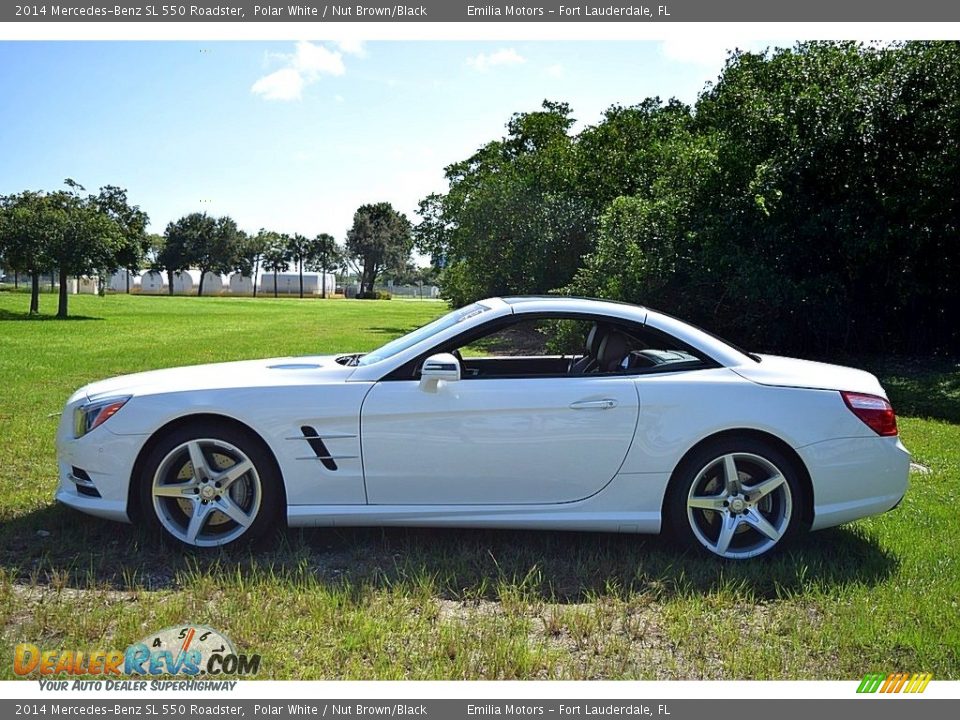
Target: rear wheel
[
  {"x": 205, "y": 485},
  {"x": 735, "y": 498}
]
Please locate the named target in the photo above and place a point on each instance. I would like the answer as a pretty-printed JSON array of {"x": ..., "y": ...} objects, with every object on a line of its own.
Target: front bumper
[{"x": 102, "y": 461}]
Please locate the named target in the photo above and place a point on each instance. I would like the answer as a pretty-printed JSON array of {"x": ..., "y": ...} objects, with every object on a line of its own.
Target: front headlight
[{"x": 87, "y": 417}]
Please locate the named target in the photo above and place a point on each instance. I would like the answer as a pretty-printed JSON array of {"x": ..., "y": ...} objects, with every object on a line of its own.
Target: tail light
[{"x": 874, "y": 411}]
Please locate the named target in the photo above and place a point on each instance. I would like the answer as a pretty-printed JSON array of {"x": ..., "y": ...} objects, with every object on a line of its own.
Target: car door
[{"x": 509, "y": 440}]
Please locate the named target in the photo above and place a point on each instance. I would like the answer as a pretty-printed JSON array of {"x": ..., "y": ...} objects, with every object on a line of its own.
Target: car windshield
[{"x": 410, "y": 339}]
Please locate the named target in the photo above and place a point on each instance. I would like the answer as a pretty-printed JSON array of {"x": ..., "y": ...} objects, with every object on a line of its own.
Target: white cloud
[
  {"x": 307, "y": 64},
  {"x": 711, "y": 53},
  {"x": 555, "y": 71},
  {"x": 314, "y": 60},
  {"x": 506, "y": 56},
  {"x": 286, "y": 84},
  {"x": 352, "y": 47}
]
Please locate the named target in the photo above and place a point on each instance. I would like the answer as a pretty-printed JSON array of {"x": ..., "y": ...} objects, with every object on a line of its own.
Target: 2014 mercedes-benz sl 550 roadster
[{"x": 527, "y": 412}]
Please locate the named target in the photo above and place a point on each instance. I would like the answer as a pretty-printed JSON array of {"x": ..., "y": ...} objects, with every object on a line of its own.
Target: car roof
[{"x": 564, "y": 303}]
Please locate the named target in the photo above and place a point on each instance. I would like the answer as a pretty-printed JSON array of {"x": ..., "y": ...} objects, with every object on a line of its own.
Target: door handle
[{"x": 604, "y": 404}]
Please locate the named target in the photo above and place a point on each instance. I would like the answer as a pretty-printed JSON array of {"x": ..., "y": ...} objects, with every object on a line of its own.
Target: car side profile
[{"x": 525, "y": 412}]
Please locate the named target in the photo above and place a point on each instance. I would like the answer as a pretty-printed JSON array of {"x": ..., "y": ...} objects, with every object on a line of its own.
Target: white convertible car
[{"x": 479, "y": 419}]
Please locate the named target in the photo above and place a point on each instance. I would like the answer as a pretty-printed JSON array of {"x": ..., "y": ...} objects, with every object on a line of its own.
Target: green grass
[{"x": 879, "y": 595}]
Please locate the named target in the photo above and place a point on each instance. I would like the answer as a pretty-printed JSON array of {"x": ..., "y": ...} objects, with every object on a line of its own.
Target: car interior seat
[
  {"x": 613, "y": 348},
  {"x": 588, "y": 362}
]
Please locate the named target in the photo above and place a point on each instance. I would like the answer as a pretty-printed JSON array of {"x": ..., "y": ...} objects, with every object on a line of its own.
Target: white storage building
[{"x": 153, "y": 283}]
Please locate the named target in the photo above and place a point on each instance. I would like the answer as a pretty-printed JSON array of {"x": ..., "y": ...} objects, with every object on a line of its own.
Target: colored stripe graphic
[
  {"x": 871, "y": 683},
  {"x": 919, "y": 682},
  {"x": 894, "y": 682}
]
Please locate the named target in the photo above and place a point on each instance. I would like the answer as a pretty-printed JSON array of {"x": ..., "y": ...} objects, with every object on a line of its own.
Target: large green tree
[
  {"x": 89, "y": 240},
  {"x": 380, "y": 238},
  {"x": 132, "y": 223},
  {"x": 513, "y": 219},
  {"x": 176, "y": 255},
  {"x": 28, "y": 222},
  {"x": 807, "y": 202},
  {"x": 212, "y": 245}
]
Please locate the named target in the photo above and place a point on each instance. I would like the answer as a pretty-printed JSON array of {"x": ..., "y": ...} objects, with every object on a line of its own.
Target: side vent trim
[{"x": 318, "y": 447}]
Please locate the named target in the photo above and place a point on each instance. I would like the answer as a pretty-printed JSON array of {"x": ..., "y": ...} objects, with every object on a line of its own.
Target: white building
[
  {"x": 288, "y": 283},
  {"x": 123, "y": 280},
  {"x": 153, "y": 283}
]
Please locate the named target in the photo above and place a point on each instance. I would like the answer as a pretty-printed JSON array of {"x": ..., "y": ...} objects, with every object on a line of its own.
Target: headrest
[
  {"x": 612, "y": 350},
  {"x": 594, "y": 338}
]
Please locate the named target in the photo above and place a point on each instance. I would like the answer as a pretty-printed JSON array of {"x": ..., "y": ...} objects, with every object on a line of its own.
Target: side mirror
[{"x": 442, "y": 366}]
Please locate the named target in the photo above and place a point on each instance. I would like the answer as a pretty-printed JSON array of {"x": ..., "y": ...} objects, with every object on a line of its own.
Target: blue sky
[{"x": 295, "y": 136}]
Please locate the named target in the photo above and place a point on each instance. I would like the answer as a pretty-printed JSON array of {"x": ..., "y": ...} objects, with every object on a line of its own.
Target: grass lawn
[{"x": 879, "y": 595}]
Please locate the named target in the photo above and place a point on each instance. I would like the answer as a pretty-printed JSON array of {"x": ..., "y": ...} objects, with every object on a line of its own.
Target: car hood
[
  {"x": 272, "y": 372},
  {"x": 790, "y": 372}
]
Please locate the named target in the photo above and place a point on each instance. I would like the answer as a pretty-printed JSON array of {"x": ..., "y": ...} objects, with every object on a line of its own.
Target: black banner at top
[{"x": 459, "y": 11}]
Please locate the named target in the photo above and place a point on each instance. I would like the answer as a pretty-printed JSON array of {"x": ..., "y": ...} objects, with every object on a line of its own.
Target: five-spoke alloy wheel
[
  {"x": 205, "y": 486},
  {"x": 737, "y": 498}
]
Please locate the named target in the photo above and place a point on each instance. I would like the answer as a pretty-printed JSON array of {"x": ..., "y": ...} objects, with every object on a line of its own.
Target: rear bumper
[{"x": 854, "y": 478}]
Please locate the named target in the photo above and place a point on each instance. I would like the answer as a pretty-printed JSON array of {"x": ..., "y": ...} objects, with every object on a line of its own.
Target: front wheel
[
  {"x": 205, "y": 485},
  {"x": 736, "y": 498}
]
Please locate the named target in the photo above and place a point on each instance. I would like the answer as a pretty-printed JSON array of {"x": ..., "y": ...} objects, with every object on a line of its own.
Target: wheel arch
[
  {"x": 133, "y": 503},
  {"x": 806, "y": 516}
]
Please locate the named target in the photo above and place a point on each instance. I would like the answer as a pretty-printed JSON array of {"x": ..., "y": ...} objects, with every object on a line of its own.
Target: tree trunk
[
  {"x": 275, "y": 283},
  {"x": 53, "y": 281},
  {"x": 16, "y": 280},
  {"x": 367, "y": 280},
  {"x": 169, "y": 282},
  {"x": 62, "y": 304},
  {"x": 300, "y": 268},
  {"x": 323, "y": 278},
  {"x": 127, "y": 271},
  {"x": 200, "y": 286},
  {"x": 256, "y": 271},
  {"x": 34, "y": 292}
]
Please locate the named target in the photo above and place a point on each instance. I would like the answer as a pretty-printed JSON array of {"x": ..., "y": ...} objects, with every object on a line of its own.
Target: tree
[
  {"x": 251, "y": 252},
  {"x": 216, "y": 251},
  {"x": 132, "y": 223},
  {"x": 276, "y": 256},
  {"x": 299, "y": 249},
  {"x": 514, "y": 218},
  {"x": 209, "y": 244},
  {"x": 28, "y": 222},
  {"x": 379, "y": 239},
  {"x": 68, "y": 234},
  {"x": 325, "y": 255},
  {"x": 176, "y": 254},
  {"x": 89, "y": 239},
  {"x": 808, "y": 204}
]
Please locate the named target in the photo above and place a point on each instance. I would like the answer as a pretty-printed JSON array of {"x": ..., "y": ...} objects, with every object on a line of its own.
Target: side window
[
  {"x": 531, "y": 338},
  {"x": 557, "y": 346}
]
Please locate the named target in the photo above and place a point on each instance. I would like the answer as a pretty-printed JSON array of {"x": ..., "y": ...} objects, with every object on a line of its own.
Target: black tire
[
  {"x": 744, "y": 524},
  {"x": 173, "y": 498}
]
